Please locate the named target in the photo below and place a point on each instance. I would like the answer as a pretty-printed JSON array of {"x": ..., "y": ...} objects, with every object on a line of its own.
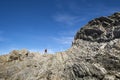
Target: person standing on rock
[{"x": 45, "y": 51}]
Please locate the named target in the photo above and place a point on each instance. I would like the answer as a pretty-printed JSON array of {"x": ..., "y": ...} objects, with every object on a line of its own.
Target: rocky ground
[{"x": 94, "y": 55}]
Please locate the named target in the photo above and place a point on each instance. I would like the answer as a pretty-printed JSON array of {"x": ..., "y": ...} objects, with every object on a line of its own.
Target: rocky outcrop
[
  {"x": 87, "y": 59},
  {"x": 101, "y": 29},
  {"x": 83, "y": 61}
]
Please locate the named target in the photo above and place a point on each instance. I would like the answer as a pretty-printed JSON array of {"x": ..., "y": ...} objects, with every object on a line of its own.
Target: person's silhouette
[{"x": 45, "y": 50}]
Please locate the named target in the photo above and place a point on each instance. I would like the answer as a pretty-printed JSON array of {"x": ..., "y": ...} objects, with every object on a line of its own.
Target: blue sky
[{"x": 51, "y": 24}]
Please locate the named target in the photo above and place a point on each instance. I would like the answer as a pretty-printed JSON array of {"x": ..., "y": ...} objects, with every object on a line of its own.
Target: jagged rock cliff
[
  {"x": 94, "y": 55},
  {"x": 101, "y": 29}
]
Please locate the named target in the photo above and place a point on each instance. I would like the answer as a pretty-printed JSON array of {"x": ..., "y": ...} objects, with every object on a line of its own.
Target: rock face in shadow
[
  {"x": 87, "y": 59},
  {"x": 101, "y": 29}
]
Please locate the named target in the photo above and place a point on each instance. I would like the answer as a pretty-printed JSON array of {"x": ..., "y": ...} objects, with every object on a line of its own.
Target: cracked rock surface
[{"x": 102, "y": 29}]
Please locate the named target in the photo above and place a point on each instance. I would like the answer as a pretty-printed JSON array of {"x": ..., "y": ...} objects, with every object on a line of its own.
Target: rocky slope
[
  {"x": 101, "y": 29},
  {"x": 94, "y": 55}
]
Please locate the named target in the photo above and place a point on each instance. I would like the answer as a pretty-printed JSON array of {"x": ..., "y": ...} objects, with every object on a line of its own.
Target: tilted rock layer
[
  {"x": 89, "y": 58},
  {"x": 101, "y": 29}
]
